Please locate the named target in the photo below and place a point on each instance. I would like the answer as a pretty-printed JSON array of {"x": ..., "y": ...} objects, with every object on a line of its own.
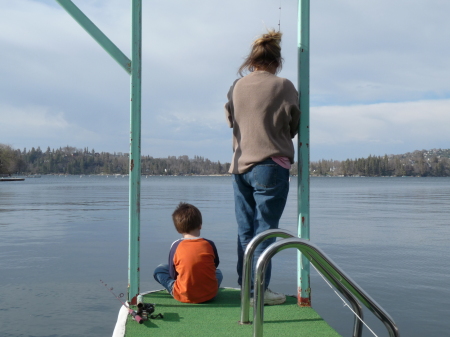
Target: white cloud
[
  {"x": 366, "y": 52},
  {"x": 191, "y": 117},
  {"x": 31, "y": 118},
  {"x": 381, "y": 128},
  {"x": 19, "y": 124},
  {"x": 362, "y": 54}
]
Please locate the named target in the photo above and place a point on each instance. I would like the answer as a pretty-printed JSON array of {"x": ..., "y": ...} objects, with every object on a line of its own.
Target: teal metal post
[
  {"x": 303, "y": 268},
  {"x": 96, "y": 34},
  {"x": 135, "y": 153},
  {"x": 132, "y": 67}
]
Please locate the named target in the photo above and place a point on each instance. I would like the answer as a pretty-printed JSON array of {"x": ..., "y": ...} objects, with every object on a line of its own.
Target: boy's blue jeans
[
  {"x": 260, "y": 197},
  {"x": 162, "y": 276}
]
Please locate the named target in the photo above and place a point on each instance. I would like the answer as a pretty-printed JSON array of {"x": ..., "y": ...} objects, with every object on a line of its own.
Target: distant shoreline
[
  {"x": 70, "y": 160},
  {"x": 22, "y": 177}
]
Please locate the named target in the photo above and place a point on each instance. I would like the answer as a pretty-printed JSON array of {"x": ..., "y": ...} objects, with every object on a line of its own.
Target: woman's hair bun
[
  {"x": 271, "y": 37},
  {"x": 265, "y": 53}
]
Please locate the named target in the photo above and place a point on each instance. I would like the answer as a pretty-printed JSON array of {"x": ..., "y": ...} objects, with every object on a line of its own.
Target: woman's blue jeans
[{"x": 260, "y": 196}]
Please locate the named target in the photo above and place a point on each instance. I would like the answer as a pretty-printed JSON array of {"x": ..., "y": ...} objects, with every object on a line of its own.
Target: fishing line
[
  {"x": 279, "y": 19},
  {"x": 132, "y": 312},
  {"x": 117, "y": 297},
  {"x": 345, "y": 303}
]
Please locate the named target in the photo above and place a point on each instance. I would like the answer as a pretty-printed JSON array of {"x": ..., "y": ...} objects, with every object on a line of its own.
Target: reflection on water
[{"x": 60, "y": 235}]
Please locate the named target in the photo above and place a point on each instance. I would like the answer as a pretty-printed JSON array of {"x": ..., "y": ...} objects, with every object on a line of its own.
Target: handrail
[
  {"x": 319, "y": 259},
  {"x": 247, "y": 268},
  {"x": 246, "y": 279},
  {"x": 357, "y": 308}
]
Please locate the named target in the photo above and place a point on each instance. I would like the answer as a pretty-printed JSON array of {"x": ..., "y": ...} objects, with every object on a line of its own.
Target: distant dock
[{"x": 11, "y": 179}]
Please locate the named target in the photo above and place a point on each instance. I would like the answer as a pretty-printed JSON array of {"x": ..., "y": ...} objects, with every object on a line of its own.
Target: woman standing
[{"x": 263, "y": 111}]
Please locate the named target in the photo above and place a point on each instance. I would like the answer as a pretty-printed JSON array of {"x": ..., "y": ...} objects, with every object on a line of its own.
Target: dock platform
[{"x": 220, "y": 317}]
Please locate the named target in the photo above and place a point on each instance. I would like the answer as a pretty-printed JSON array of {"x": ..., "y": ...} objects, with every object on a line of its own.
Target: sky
[{"x": 379, "y": 76}]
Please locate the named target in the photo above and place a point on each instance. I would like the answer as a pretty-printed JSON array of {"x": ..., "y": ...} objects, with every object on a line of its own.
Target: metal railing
[
  {"x": 328, "y": 268},
  {"x": 247, "y": 268},
  {"x": 247, "y": 272}
]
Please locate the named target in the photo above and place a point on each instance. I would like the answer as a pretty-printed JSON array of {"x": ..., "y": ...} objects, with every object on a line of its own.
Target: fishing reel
[{"x": 145, "y": 311}]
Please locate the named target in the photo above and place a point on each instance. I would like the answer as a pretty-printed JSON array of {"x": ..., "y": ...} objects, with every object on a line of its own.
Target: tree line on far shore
[
  {"x": 70, "y": 160},
  {"x": 423, "y": 163}
]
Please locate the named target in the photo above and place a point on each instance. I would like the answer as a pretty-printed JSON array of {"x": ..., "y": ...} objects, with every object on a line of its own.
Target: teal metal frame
[
  {"x": 135, "y": 154},
  {"x": 303, "y": 268},
  {"x": 134, "y": 68},
  {"x": 96, "y": 34}
]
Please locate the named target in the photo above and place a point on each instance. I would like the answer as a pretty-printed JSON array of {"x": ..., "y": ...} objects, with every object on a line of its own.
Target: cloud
[
  {"x": 186, "y": 118},
  {"x": 31, "y": 118},
  {"x": 40, "y": 124},
  {"x": 367, "y": 52},
  {"x": 362, "y": 54},
  {"x": 188, "y": 130},
  {"x": 381, "y": 128}
]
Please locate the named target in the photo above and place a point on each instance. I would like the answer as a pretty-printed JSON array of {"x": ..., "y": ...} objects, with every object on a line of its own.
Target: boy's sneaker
[{"x": 271, "y": 298}]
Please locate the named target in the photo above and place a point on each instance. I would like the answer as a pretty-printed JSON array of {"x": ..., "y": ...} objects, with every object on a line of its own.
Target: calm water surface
[{"x": 60, "y": 235}]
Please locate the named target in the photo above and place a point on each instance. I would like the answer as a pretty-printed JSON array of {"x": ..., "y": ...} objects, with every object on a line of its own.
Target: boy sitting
[{"x": 191, "y": 275}]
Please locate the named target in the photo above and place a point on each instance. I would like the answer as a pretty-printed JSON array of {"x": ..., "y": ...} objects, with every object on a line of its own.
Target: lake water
[{"x": 60, "y": 235}]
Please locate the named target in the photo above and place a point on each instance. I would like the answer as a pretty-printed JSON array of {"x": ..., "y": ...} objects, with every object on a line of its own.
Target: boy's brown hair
[{"x": 186, "y": 218}]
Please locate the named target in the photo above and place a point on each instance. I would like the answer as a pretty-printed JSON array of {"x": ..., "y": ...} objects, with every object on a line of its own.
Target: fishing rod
[{"x": 132, "y": 312}]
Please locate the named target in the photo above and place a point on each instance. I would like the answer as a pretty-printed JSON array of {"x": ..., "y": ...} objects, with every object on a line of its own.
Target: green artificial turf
[{"x": 220, "y": 317}]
